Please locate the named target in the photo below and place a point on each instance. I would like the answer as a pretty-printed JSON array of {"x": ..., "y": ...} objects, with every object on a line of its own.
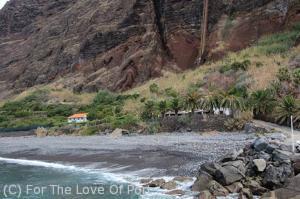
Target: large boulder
[
  {"x": 260, "y": 144},
  {"x": 211, "y": 168},
  {"x": 235, "y": 187},
  {"x": 169, "y": 185},
  {"x": 255, "y": 187},
  {"x": 232, "y": 156},
  {"x": 205, "y": 195},
  {"x": 217, "y": 189},
  {"x": 296, "y": 166},
  {"x": 282, "y": 156},
  {"x": 290, "y": 191},
  {"x": 263, "y": 155},
  {"x": 276, "y": 176},
  {"x": 245, "y": 194},
  {"x": 202, "y": 182},
  {"x": 119, "y": 133},
  {"x": 231, "y": 172}
]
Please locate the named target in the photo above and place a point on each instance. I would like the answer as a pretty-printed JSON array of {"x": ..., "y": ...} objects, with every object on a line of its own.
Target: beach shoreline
[{"x": 167, "y": 154}]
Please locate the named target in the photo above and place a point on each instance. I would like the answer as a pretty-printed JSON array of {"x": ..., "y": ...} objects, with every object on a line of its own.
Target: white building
[{"x": 78, "y": 118}]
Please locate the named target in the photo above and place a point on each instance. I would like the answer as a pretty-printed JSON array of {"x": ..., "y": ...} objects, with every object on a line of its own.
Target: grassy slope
[{"x": 262, "y": 71}]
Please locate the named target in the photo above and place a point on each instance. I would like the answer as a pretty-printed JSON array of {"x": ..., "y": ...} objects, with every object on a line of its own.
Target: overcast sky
[{"x": 2, "y": 2}]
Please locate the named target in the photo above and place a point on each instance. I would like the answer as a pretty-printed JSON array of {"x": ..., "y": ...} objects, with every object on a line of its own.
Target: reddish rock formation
[{"x": 116, "y": 44}]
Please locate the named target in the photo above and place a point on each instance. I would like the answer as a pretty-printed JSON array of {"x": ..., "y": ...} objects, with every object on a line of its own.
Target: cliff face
[{"x": 117, "y": 44}]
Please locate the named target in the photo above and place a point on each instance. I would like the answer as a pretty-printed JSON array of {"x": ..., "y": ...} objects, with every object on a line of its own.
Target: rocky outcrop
[
  {"x": 119, "y": 44},
  {"x": 261, "y": 167}
]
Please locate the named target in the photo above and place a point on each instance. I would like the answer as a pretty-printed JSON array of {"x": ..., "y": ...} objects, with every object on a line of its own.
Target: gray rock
[
  {"x": 169, "y": 185},
  {"x": 202, "y": 182},
  {"x": 119, "y": 133},
  {"x": 285, "y": 147},
  {"x": 156, "y": 183},
  {"x": 296, "y": 166},
  {"x": 210, "y": 168},
  {"x": 290, "y": 191},
  {"x": 263, "y": 155},
  {"x": 235, "y": 187},
  {"x": 246, "y": 194},
  {"x": 231, "y": 172},
  {"x": 275, "y": 177},
  {"x": 260, "y": 164},
  {"x": 205, "y": 195},
  {"x": 281, "y": 156},
  {"x": 232, "y": 156},
  {"x": 255, "y": 187},
  {"x": 260, "y": 144},
  {"x": 271, "y": 147},
  {"x": 250, "y": 128},
  {"x": 277, "y": 136},
  {"x": 217, "y": 189}
]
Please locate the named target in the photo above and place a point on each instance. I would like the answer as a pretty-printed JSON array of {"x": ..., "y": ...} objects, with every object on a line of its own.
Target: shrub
[
  {"x": 170, "y": 92},
  {"x": 88, "y": 131},
  {"x": 153, "y": 127},
  {"x": 124, "y": 121},
  {"x": 149, "y": 110},
  {"x": 262, "y": 102},
  {"x": 287, "y": 107},
  {"x": 284, "y": 75},
  {"x": 238, "y": 124},
  {"x": 234, "y": 124},
  {"x": 106, "y": 98},
  {"x": 259, "y": 64},
  {"x": 163, "y": 107},
  {"x": 296, "y": 77},
  {"x": 154, "y": 88},
  {"x": 235, "y": 66},
  {"x": 59, "y": 110}
]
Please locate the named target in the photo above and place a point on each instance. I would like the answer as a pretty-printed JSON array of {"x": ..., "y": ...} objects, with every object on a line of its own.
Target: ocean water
[{"x": 27, "y": 179}]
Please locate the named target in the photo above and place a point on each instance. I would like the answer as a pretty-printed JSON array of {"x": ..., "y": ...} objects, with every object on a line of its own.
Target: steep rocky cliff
[{"x": 117, "y": 44}]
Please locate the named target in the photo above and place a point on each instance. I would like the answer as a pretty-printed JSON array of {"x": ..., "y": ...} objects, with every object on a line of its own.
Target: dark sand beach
[{"x": 175, "y": 154}]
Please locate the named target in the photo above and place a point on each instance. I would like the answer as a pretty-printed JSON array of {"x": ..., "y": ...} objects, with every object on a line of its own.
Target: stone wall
[{"x": 199, "y": 123}]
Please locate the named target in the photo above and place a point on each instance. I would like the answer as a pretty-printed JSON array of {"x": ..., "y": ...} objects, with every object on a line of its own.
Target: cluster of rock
[
  {"x": 257, "y": 170},
  {"x": 171, "y": 185}
]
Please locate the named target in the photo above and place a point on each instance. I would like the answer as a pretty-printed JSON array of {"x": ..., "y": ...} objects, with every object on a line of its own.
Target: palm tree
[
  {"x": 150, "y": 110},
  {"x": 262, "y": 102},
  {"x": 287, "y": 107},
  {"x": 211, "y": 101},
  {"x": 176, "y": 105},
  {"x": 163, "y": 108},
  {"x": 232, "y": 102},
  {"x": 192, "y": 101}
]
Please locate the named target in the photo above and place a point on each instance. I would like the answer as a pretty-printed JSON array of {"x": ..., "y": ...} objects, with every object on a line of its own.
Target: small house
[{"x": 78, "y": 118}]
